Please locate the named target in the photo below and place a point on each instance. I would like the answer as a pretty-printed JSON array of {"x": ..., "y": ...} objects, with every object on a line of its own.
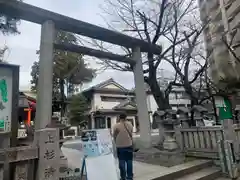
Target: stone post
[
  {"x": 231, "y": 148},
  {"x": 171, "y": 149},
  {"x": 230, "y": 134},
  {"x": 55, "y": 123},
  {"x": 169, "y": 123},
  {"x": 44, "y": 93},
  {"x": 159, "y": 117},
  {"x": 49, "y": 154},
  {"x": 141, "y": 99}
]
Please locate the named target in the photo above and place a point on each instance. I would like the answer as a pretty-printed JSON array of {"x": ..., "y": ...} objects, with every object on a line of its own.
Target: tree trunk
[
  {"x": 162, "y": 102},
  {"x": 192, "y": 121},
  {"x": 194, "y": 101}
]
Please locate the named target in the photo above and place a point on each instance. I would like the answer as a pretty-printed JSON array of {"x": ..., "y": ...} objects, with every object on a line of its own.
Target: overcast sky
[{"x": 23, "y": 47}]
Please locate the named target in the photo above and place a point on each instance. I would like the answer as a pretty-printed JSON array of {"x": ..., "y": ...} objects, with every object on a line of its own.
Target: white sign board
[
  {"x": 90, "y": 144},
  {"x": 101, "y": 167},
  {"x": 5, "y": 99},
  {"x": 97, "y": 142},
  {"x": 98, "y": 148},
  {"x": 104, "y": 139}
]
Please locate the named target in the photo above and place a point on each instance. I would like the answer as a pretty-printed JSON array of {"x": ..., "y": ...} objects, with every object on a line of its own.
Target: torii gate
[{"x": 51, "y": 21}]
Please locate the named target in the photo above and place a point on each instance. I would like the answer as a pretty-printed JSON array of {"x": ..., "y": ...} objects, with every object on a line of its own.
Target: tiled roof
[
  {"x": 106, "y": 83},
  {"x": 123, "y": 105}
]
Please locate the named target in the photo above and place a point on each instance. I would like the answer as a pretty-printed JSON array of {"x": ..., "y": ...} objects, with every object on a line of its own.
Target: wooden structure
[
  {"x": 203, "y": 141},
  {"x": 200, "y": 141}
]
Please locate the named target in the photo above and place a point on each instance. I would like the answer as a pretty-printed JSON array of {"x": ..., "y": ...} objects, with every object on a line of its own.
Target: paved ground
[{"x": 141, "y": 170}]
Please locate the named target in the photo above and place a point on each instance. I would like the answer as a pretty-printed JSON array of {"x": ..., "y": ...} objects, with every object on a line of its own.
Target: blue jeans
[{"x": 125, "y": 158}]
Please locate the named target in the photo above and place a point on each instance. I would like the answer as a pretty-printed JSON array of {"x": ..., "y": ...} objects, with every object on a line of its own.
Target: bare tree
[
  {"x": 166, "y": 23},
  {"x": 3, "y": 52}
]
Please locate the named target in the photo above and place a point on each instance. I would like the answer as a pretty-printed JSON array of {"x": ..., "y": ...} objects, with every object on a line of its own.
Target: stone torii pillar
[
  {"x": 141, "y": 99},
  {"x": 44, "y": 89}
]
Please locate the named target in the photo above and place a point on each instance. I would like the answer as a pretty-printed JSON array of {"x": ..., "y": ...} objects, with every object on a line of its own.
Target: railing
[
  {"x": 19, "y": 163},
  {"x": 201, "y": 141},
  {"x": 24, "y": 160},
  {"x": 237, "y": 132}
]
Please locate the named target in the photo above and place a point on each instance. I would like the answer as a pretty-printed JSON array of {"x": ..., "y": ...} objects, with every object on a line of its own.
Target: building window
[
  {"x": 70, "y": 132},
  {"x": 112, "y": 99},
  {"x": 100, "y": 123},
  {"x": 181, "y": 105},
  {"x": 109, "y": 123}
]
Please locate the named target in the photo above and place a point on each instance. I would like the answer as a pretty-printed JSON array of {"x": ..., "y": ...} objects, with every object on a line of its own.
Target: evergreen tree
[
  {"x": 77, "y": 107},
  {"x": 8, "y": 25},
  {"x": 69, "y": 70}
]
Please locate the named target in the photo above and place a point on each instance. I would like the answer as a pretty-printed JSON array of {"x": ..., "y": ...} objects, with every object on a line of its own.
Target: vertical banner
[{"x": 5, "y": 98}]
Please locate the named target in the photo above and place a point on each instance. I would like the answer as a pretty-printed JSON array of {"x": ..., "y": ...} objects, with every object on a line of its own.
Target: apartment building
[{"x": 223, "y": 22}]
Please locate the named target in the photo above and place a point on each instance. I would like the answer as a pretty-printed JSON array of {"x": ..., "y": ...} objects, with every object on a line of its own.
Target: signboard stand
[
  {"x": 98, "y": 150},
  {"x": 83, "y": 169}
]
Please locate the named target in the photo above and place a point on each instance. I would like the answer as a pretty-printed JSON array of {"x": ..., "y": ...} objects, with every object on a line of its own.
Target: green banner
[
  {"x": 225, "y": 110},
  {"x": 1, "y": 124},
  {"x": 4, "y": 90}
]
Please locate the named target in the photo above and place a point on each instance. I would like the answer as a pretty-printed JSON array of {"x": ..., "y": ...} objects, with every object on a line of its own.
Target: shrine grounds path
[{"x": 142, "y": 171}]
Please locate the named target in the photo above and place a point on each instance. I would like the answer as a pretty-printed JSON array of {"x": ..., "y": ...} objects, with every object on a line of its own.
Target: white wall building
[{"x": 108, "y": 99}]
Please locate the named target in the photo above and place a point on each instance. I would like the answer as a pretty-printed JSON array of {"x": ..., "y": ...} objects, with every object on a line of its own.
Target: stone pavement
[{"x": 142, "y": 171}]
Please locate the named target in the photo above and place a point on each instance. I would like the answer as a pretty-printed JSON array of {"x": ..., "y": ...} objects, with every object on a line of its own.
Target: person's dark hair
[{"x": 122, "y": 116}]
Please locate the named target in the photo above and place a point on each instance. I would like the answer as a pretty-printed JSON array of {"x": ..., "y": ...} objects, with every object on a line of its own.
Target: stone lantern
[
  {"x": 169, "y": 152},
  {"x": 159, "y": 116},
  {"x": 169, "y": 123},
  {"x": 167, "y": 120},
  {"x": 183, "y": 113},
  {"x": 199, "y": 113}
]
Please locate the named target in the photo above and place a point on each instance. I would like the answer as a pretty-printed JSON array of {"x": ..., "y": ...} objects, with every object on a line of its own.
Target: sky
[{"x": 23, "y": 47}]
